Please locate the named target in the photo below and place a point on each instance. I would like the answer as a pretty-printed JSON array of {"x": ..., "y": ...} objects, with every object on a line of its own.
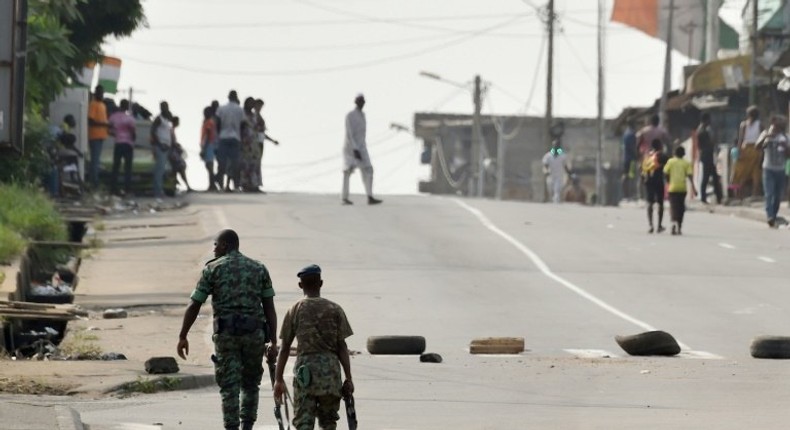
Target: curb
[
  {"x": 185, "y": 382},
  {"x": 68, "y": 419}
]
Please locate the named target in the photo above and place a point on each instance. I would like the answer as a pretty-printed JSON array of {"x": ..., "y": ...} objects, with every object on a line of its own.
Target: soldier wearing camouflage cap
[
  {"x": 244, "y": 321},
  {"x": 320, "y": 328}
]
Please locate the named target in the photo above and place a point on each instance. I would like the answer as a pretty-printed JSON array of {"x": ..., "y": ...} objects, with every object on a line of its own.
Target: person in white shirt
[
  {"x": 230, "y": 121},
  {"x": 355, "y": 152},
  {"x": 161, "y": 141},
  {"x": 555, "y": 167},
  {"x": 748, "y": 170}
]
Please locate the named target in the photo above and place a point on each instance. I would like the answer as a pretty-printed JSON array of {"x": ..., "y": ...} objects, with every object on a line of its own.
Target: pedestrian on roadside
[
  {"x": 677, "y": 171},
  {"x": 261, "y": 136},
  {"x": 161, "y": 140},
  {"x": 98, "y": 131},
  {"x": 208, "y": 146},
  {"x": 629, "y": 160},
  {"x": 320, "y": 328},
  {"x": 245, "y": 320},
  {"x": 249, "y": 181},
  {"x": 230, "y": 122},
  {"x": 355, "y": 152},
  {"x": 747, "y": 169},
  {"x": 647, "y": 134},
  {"x": 555, "y": 167},
  {"x": 774, "y": 145},
  {"x": 707, "y": 154},
  {"x": 177, "y": 157},
  {"x": 123, "y": 129},
  {"x": 653, "y": 179}
]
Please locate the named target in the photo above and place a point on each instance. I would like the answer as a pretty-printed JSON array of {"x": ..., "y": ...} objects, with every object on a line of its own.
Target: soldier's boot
[
  {"x": 246, "y": 425},
  {"x": 233, "y": 428}
]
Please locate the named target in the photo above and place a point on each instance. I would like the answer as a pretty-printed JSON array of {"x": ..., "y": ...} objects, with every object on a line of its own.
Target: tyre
[
  {"x": 497, "y": 345},
  {"x": 649, "y": 343},
  {"x": 771, "y": 347},
  {"x": 396, "y": 345}
]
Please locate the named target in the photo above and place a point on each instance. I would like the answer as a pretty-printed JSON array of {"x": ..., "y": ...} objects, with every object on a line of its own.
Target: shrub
[
  {"x": 11, "y": 244},
  {"x": 30, "y": 213}
]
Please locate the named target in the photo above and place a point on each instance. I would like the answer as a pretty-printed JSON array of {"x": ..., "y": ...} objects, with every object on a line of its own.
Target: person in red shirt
[{"x": 208, "y": 145}]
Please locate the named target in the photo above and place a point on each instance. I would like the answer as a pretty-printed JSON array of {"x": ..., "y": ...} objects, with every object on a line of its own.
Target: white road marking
[
  {"x": 700, "y": 355},
  {"x": 726, "y": 245},
  {"x": 544, "y": 268},
  {"x": 766, "y": 259},
  {"x": 591, "y": 353}
]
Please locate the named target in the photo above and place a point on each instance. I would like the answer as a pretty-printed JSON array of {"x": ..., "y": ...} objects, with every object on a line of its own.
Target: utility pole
[
  {"x": 667, "y": 66},
  {"x": 477, "y": 146},
  {"x": 599, "y": 155},
  {"x": 753, "y": 38},
  {"x": 550, "y": 73}
]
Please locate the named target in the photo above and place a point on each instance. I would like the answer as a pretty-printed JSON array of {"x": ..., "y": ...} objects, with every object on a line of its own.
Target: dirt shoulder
[{"x": 147, "y": 264}]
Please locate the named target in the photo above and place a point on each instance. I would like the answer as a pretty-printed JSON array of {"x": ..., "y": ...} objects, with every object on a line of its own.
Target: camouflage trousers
[
  {"x": 238, "y": 369},
  {"x": 320, "y": 399}
]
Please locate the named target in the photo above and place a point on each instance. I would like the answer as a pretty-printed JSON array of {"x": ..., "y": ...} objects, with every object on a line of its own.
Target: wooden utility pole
[
  {"x": 753, "y": 38},
  {"x": 477, "y": 145},
  {"x": 550, "y": 73},
  {"x": 599, "y": 154},
  {"x": 667, "y": 66}
]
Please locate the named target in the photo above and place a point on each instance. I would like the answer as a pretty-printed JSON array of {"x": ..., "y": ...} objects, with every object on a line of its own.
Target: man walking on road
[
  {"x": 555, "y": 167},
  {"x": 775, "y": 146},
  {"x": 320, "y": 328},
  {"x": 244, "y": 321},
  {"x": 230, "y": 120},
  {"x": 677, "y": 171},
  {"x": 707, "y": 147},
  {"x": 653, "y": 178},
  {"x": 355, "y": 152}
]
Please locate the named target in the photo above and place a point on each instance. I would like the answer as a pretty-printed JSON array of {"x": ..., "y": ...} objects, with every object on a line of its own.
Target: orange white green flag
[
  {"x": 688, "y": 22},
  {"x": 109, "y": 74}
]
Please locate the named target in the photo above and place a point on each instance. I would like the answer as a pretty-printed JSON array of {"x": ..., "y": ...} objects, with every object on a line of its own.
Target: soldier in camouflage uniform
[
  {"x": 320, "y": 328},
  {"x": 244, "y": 320}
]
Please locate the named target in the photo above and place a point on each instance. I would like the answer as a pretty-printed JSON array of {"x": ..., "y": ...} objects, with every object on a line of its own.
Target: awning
[{"x": 729, "y": 73}]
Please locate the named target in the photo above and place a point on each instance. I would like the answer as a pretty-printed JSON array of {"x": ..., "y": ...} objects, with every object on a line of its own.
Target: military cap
[{"x": 312, "y": 269}]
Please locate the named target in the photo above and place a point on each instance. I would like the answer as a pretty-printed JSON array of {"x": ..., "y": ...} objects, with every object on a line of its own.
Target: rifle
[
  {"x": 351, "y": 411},
  {"x": 277, "y": 414}
]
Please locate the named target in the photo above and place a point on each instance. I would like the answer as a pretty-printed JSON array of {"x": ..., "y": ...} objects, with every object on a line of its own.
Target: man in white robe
[{"x": 355, "y": 152}]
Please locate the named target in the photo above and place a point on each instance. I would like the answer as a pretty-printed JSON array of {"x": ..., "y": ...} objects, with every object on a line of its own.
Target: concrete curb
[
  {"x": 185, "y": 382},
  {"x": 68, "y": 419}
]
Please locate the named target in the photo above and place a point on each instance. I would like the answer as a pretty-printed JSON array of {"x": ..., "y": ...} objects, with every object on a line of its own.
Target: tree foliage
[{"x": 99, "y": 20}]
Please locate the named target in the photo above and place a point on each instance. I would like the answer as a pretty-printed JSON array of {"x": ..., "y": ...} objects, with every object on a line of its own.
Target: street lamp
[{"x": 477, "y": 148}]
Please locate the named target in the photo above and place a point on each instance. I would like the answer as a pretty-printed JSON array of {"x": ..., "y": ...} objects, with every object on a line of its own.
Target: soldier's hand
[
  {"x": 348, "y": 388},
  {"x": 279, "y": 389},
  {"x": 357, "y": 155},
  {"x": 183, "y": 348},
  {"x": 271, "y": 352}
]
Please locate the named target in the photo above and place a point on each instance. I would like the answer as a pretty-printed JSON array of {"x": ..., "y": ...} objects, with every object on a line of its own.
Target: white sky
[{"x": 309, "y": 58}]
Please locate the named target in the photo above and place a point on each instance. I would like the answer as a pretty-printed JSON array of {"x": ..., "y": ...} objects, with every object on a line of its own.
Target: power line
[{"x": 359, "y": 65}]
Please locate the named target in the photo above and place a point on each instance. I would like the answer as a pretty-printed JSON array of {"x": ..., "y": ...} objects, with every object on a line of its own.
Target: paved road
[{"x": 567, "y": 278}]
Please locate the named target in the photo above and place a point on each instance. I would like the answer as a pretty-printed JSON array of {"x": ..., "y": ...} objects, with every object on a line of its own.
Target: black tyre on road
[
  {"x": 649, "y": 343},
  {"x": 396, "y": 345}
]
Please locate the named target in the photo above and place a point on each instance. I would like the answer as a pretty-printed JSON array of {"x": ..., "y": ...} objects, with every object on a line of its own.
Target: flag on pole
[
  {"x": 688, "y": 22},
  {"x": 109, "y": 73},
  {"x": 85, "y": 76}
]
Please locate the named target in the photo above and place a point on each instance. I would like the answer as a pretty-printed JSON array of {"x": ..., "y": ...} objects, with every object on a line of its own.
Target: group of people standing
[
  {"x": 760, "y": 161},
  {"x": 234, "y": 136}
]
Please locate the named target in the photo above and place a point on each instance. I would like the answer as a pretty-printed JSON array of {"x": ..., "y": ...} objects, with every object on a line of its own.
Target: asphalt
[{"x": 28, "y": 415}]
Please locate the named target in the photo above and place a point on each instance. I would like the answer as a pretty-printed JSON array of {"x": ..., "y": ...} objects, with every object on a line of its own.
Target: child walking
[{"x": 677, "y": 170}]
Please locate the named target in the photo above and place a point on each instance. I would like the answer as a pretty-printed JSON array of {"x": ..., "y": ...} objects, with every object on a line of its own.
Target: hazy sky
[{"x": 309, "y": 58}]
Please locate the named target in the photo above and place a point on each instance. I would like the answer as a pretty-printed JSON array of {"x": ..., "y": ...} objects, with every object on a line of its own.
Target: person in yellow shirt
[
  {"x": 676, "y": 171},
  {"x": 98, "y": 130}
]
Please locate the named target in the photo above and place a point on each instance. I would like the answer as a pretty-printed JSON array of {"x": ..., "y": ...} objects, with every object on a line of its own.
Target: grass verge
[
  {"x": 81, "y": 344},
  {"x": 11, "y": 244},
  {"x": 35, "y": 387},
  {"x": 150, "y": 386}
]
